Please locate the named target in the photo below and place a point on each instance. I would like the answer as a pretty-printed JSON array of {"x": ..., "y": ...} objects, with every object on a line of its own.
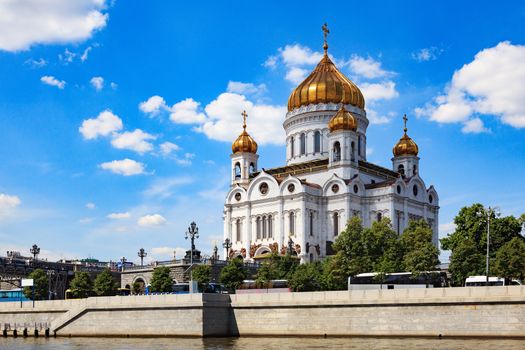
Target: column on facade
[
  {"x": 281, "y": 235},
  {"x": 304, "y": 221},
  {"x": 248, "y": 229},
  {"x": 405, "y": 214},
  {"x": 228, "y": 228}
]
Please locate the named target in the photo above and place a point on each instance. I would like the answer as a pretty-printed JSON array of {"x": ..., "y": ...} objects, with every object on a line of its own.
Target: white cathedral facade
[{"x": 326, "y": 180}]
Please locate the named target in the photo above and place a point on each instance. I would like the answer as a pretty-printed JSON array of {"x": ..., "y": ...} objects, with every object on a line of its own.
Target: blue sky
[{"x": 116, "y": 118}]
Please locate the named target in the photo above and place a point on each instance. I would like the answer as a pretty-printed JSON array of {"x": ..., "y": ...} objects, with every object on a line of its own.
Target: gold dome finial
[
  {"x": 326, "y": 31},
  {"x": 244, "y": 143},
  {"x": 405, "y": 146}
]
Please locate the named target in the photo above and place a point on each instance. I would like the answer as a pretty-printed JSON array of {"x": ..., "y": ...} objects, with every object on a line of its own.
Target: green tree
[
  {"x": 306, "y": 277},
  {"x": 40, "y": 285},
  {"x": 202, "y": 274},
  {"x": 137, "y": 288},
  {"x": 105, "y": 284},
  {"x": 276, "y": 267},
  {"x": 161, "y": 281},
  {"x": 334, "y": 276},
  {"x": 233, "y": 274},
  {"x": 420, "y": 255},
  {"x": 81, "y": 285},
  {"x": 510, "y": 259}
]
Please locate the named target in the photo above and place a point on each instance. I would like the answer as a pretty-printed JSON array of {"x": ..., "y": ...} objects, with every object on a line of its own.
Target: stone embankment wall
[{"x": 472, "y": 312}]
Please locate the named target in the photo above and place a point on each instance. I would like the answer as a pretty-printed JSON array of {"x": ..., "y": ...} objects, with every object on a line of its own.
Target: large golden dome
[
  {"x": 244, "y": 143},
  {"x": 342, "y": 120},
  {"x": 324, "y": 85},
  {"x": 405, "y": 146}
]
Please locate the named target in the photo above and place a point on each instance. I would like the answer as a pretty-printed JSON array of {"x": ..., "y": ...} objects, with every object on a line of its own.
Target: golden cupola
[
  {"x": 342, "y": 120},
  {"x": 405, "y": 146},
  {"x": 326, "y": 84},
  {"x": 244, "y": 143}
]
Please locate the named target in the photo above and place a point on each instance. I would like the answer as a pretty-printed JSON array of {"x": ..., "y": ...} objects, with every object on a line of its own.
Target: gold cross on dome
[
  {"x": 326, "y": 31},
  {"x": 405, "y": 121},
  {"x": 244, "y": 115}
]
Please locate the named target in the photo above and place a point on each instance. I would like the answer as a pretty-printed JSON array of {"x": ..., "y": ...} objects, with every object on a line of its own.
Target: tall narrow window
[
  {"x": 352, "y": 155},
  {"x": 252, "y": 169},
  {"x": 292, "y": 146},
  {"x": 270, "y": 226},
  {"x": 311, "y": 223},
  {"x": 303, "y": 144},
  {"x": 336, "y": 224},
  {"x": 401, "y": 169},
  {"x": 337, "y": 152},
  {"x": 292, "y": 223},
  {"x": 238, "y": 230},
  {"x": 264, "y": 227},
  {"x": 317, "y": 142},
  {"x": 237, "y": 170},
  {"x": 359, "y": 145},
  {"x": 258, "y": 227},
  {"x": 379, "y": 216},
  {"x": 415, "y": 169}
]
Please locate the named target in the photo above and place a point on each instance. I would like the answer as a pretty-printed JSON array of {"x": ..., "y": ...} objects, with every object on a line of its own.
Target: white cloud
[
  {"x": 238, "y": 87},
  {"x": 164, "y": 187},
  {"x": 187, "y": 112},
  {"x": 134, "y": 140},
  {"x": 427, "y": 54},
  {"x": 67, "y": 57},
  {"x": 29, "y": 22},
  {"x": 445, "y": 229},
  {"x": 113, "y": 85},
  {"x": 168, "y": 147},
  {"x": 492, "y": 84},
  {"x": 377, "y": 119},
  {"x": 126, "y": 167},
  {"x": 90, "y": 206},
  {"x": 85, "y": 54},
  {"x": 379, "y": 91},
  {"x": 367, "y": 67},
  {"x": 97, "y": 83},
  {"x": 297, "y": 55},
  {"x": 119, "y": 216},
  {"x": 154, "y": 105},
  {"x": 151, "y": 220},
  {"x": 8, "y": 203},
  {"x": 39, "y": 63},
  {"x": 186, "y": 160},
  {"x": 104, "y": 124},
  {"x": 166, "y": 253},
  {"x": 271, "y": 62},
  {"x": 296, "y": 75},
  {"x": 474, "y": 126},
  {"x": 52, "y": 81}
]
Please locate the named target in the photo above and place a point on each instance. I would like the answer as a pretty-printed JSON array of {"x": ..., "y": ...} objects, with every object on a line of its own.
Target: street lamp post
[
  {"x": 35, "y": 250},
  {"x": 123, "y": 261},
  {"x": 50, "y": 274},
  {"x": 227, "y": 245},
  {"x": 489, "y": 212},
  {"x": 142, "y": 254},
  {"x": 192, "y": 233}
]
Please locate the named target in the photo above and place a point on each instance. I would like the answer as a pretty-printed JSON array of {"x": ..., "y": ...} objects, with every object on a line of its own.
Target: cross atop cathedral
[
  {"x": 405, "y": 121},
  {"x": 244, "y": 115},
  {"x": 326, "y": 31}
]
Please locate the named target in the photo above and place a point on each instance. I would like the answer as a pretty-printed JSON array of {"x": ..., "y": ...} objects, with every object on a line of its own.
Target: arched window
[
  {"x": 237, "y": 170},
  {"x": 270, "y": 226},
  {"x": 415, "y": 169},
  {"x": 317, "y": 142},
  {"x": 292, "y": 223},
  {"x": 352, "y": 155},
  {"x": 311, "y": 223},
  {"x": 337, "y": 152},
  {"x": 292, "y": 146},
  {"x": 238, "y": 230},
  {"x": 264, "y": 227},
  {"x": 401, "y": 169},
  {"x": 336, "y": 224},
  {"x": 379, "y": 216},
  {"x": 258, "y": 227},
  {"x": 252, "y": 168},
  {"x": 303, "y": 143}
]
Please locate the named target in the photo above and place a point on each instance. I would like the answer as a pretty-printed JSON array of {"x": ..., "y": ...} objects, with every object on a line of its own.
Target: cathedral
[{"x": 304, "y": 205}]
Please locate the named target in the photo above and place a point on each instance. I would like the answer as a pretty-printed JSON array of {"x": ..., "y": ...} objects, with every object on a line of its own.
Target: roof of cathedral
[
  {"x": 326, "y": 84},
  {"x": 380, "y": 184},
  {"x": 244, "y": 143}
]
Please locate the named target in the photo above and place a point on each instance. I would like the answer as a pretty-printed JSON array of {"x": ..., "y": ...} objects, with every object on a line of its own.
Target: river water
[{"x": 258, "y": 343}]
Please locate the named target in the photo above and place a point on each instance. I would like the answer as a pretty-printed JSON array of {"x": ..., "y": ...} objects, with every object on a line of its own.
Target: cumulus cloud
[
  {"x": 296, "y": 75},
  {"x": 8, "y": 202},
  {"x": 126, "y": 167},
  {"x": 151, "y": 220},
  {"x": 106, "y": 123},
  {"x": 67, "y": 57},
  {"x": 119, "y": 216},
  {"x": 134, "y": 140},
  {"x": 167, "y": 148},
  {"x": 492, "y": 84},
  {"x": 97, "y": 83},
  {"x": 474, "y": 126},
  {"x": 297, "y": 55},
  {"x": 153, "y": 105},
  {"x": 186, "y": 112},
  {"x": 377, "y": 119},
  {"x": 29, "y": 22},
  {"x": 52, "y": 81},
  {"x": 90, "y": 206},
  {"x": 367, "y": 67},
  {"x": 426, "y": 54},
  {"x": 379, "y": 91},
  {"x": 238, "y": 87}
]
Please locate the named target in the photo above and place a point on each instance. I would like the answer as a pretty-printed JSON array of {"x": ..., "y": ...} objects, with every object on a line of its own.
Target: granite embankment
[{"x": 467, "y": 312}]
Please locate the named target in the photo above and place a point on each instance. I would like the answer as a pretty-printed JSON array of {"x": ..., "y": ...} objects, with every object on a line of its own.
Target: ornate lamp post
[
  {"x": 123, "y": 261},
  {"x": 142, "y": 254},
  {"x": 192, "y": 233},
  {"x": 227, "y": 245},
  {"x": 35, "y": 250},
  {"x": 215, "y": 255}
]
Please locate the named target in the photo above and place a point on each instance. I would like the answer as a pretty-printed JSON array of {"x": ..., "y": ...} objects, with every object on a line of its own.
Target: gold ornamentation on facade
[{"x": 405, "y": 146}]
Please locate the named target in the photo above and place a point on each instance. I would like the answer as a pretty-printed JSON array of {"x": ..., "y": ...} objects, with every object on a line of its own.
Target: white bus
[
  {"x": 481, "y": 281},
  {"x": 398, "y": 280}
]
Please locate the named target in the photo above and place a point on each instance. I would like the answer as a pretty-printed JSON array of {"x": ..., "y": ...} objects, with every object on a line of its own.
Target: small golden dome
[
  {"x": 342, "y": 120},
  {"x": 405, "y": 146},
  {"x": 326, "y": 84},
  {"x": 244, "y": 143}
]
